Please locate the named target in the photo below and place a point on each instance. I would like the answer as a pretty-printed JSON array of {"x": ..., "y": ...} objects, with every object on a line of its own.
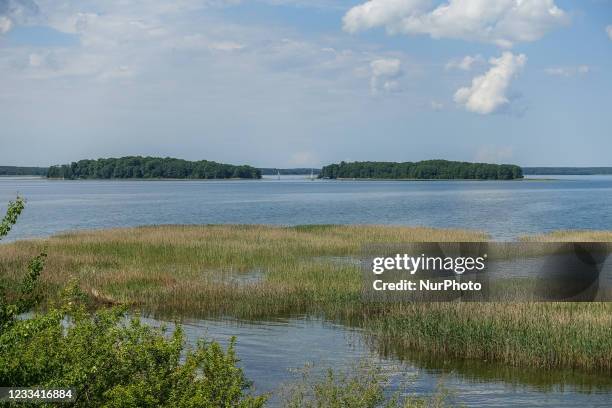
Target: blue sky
[{"x": 304, "y": 83}]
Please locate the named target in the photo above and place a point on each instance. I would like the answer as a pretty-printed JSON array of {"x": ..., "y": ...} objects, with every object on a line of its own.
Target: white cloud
[
  {"x": 487, "y": 94},
  {"x": 501, "y": 22},
  {"x": 5, "y": 24},
  {"x": 466, "y": 63},
  {"x": 568, "y": 71},
  {"x": 386, "y": 67},
  {"x": 384, "y": 74},
  {"x": 376, "y": 13},
  {"x": 609, "y": 31}
]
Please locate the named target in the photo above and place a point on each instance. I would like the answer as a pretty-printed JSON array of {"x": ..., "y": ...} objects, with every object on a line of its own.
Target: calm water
[
  {"x": 505, "y": 209},
  {"x": 272, "y": 351}
]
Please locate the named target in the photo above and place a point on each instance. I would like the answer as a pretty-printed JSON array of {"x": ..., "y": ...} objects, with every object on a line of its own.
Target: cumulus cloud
[
  {"x": 384, "y": 74},
  {"x": 376, "y": 13},
  {"x": 487, "y": 93},
  {"x": 501, "y": 22},
  {"x": 568, "y": 71},
  {"x": 609, "y": 31},
  {"x": 466, "y": 63}
]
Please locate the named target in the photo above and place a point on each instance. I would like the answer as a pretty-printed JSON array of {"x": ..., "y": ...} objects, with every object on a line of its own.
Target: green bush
[{"x": 111, "y": 361}]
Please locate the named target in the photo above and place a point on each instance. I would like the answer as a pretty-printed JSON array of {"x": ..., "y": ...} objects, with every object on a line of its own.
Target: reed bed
[{"x": 260, "y": 272}]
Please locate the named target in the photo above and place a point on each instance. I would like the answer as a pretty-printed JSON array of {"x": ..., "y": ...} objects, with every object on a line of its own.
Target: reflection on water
[
  {"x": 477, "y": 371},
  {"x": 273, "y": 352}
]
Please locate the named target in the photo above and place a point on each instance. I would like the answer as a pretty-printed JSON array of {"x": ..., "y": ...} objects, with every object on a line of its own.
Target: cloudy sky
[{"x": 307, "y": 82}]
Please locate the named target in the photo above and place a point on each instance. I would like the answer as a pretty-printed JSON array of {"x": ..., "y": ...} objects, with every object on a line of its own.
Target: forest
[
  {"x": 151, "y": 168},
  {"x": 428, "y": 169}
]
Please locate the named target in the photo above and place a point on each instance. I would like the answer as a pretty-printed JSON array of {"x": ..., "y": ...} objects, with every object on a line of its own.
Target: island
[
  {"x": 422, "y": 170},
  {"x": 139, "y": 167}
]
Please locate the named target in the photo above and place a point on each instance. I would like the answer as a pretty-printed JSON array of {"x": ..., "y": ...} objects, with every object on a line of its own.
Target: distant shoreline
[
  {"x": 273, "y": 178},
  {"x": 567, "y": 171},
  {"x": 266, "y": 178}
]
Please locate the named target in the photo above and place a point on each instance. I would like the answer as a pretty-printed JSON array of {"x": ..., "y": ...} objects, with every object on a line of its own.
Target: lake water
[
  {"x": 271, "y": 351},
  {"x": 505, "y": 209}
]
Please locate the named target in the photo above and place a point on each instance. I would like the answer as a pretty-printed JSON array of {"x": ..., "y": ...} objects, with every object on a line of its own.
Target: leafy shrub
[{"x": 111, "y": 361}]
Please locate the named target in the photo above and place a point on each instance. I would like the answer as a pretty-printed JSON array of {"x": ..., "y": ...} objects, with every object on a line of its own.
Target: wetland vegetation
[{"x": 258, "y": 272}]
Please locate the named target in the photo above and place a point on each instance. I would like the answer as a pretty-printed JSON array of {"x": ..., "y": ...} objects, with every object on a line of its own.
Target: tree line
[
  {"x": 151, "y": 167},
  {"x": 573, "y": 171},
  {"x": 22, "y": 171},
  {"x": 427, "y": 169}
]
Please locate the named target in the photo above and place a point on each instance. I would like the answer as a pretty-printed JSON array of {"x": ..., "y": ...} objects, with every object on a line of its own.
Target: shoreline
[{"x": 268, "y": 178}]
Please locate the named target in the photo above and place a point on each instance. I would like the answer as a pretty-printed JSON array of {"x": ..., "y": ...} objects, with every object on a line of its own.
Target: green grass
[{"x": 190, "y": 271}]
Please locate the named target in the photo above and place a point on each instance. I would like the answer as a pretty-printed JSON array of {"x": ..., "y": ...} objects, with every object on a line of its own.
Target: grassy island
[
  {"x": 422, "y": 170},
  {"x": 260, "y": 272},
  {"x": 150, "y": 168}
]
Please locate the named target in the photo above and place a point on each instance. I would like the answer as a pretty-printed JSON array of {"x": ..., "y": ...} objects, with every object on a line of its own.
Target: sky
[{"x": 304, "y": 83}]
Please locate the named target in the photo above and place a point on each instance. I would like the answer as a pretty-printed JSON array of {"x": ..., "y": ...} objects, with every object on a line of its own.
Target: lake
[
  {"x": 504, "y": 209},
  {"x": 272, "y": 350}
]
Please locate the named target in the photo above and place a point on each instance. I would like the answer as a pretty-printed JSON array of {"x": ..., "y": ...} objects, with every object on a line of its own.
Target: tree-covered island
[
  {"x": 427, "y": 169},
  {"x": 151, "y": 168}
]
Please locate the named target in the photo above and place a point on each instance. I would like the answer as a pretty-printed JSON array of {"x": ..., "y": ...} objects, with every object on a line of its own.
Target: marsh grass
[{"x": 191, "y": 271}]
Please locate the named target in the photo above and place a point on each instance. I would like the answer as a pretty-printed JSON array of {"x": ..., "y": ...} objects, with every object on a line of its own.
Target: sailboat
[
  {"x": 312, "y": 177},
  {"x": 278, "y": 174}
]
